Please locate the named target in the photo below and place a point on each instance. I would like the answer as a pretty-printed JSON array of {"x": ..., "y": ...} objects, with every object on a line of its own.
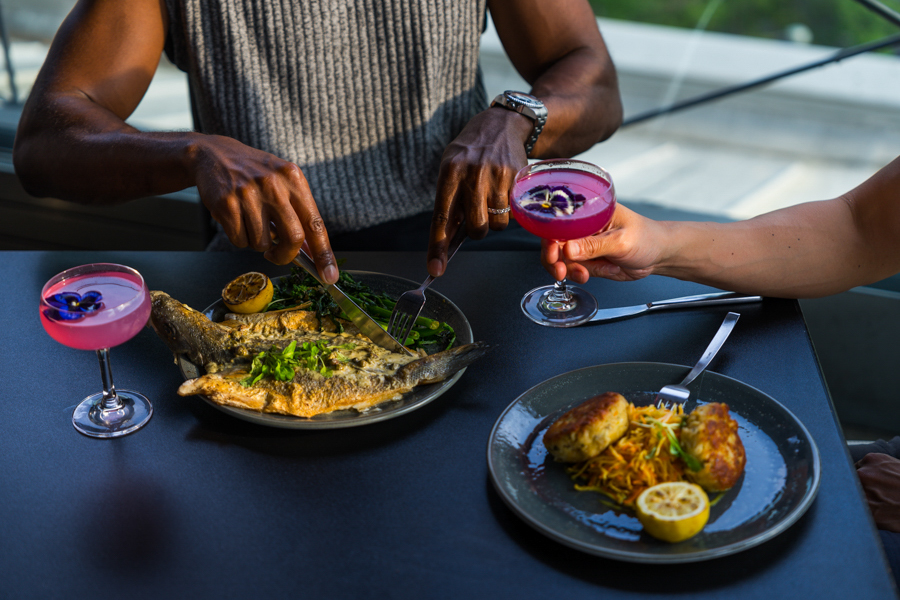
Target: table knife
[
  {"x": 360, "y": 318},
  {"x": 612, "y": 314}
]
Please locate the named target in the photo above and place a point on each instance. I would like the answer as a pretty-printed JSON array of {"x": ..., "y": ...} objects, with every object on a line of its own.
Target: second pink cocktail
[
  {"x": 563, "y": 204},
  {"x": 561, "y": 200}
]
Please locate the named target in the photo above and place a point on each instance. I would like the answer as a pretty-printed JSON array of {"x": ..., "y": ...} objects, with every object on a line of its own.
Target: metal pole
[
  {"x": 882, "y": 10},
  {"x": 893, "y": 40},
  {"x": 4, "y": 38}
]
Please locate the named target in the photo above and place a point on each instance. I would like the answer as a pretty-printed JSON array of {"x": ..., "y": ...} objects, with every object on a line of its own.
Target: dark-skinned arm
[
  {"x": 73, "y": 142},
  {"x": 558, "y": 49}
]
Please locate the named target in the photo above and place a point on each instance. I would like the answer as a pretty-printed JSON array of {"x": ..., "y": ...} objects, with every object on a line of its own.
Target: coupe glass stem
[
  {"x": 559, "y": 293},
  {"x": 558, "y": 299},
  {"x": 110, "y": 400}
]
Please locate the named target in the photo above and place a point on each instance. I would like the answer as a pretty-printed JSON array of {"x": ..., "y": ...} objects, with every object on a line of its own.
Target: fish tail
[{"x": 441, "y": 365}]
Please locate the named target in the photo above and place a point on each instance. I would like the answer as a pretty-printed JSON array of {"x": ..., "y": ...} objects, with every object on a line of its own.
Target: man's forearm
[
  {"x": 74, "y": 155},
  {"x": 583, "y": 104}
]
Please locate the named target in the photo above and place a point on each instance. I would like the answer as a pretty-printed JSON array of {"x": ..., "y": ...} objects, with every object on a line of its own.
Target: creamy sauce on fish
[{"x": 362, "y": 374}]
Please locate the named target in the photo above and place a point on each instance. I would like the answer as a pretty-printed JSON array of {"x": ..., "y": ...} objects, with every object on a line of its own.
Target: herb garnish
[
  {"x": 301, "y": 289},
  {"x": 675, "y": 448},
  {"x": 281, "y": 365}
]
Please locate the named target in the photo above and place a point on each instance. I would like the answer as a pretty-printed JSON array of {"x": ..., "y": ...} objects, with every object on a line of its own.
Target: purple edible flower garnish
[
  {"x": 555, "y": 200},
  {"x": 71, "y": 306}
]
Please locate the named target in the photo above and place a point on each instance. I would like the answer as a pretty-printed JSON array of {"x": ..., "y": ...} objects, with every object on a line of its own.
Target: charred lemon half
[
  {"x": 673, "y": 511},
  {"x": 248, "y": 293}
]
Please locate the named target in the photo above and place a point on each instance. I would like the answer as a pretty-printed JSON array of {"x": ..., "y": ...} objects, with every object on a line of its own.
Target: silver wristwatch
[{"x": 529, "y": 106}]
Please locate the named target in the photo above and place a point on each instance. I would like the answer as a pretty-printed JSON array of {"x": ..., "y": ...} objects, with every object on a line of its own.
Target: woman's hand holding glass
[
  {"x": 628, "y": 249},
  {"x": 559, "y": 200}
]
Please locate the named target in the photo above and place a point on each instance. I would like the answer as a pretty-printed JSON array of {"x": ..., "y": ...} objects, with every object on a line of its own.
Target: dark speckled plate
[
  {"x": 437, "y": 307},
  {"x": 778, "y": 485}
]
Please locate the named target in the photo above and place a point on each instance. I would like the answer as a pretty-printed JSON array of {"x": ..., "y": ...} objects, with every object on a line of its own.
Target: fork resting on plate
[
  {"x": 679, "y": 393},
  {"x": 409, "y": 306}
]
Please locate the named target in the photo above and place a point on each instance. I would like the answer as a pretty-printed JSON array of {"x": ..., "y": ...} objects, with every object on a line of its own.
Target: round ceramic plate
[
  {"x": 779, "y": 482},
  {"x": 437, "y": 307}
]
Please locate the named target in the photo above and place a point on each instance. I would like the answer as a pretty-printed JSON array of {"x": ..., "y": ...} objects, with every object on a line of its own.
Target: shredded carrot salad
[{"x": 643, "y": 457}]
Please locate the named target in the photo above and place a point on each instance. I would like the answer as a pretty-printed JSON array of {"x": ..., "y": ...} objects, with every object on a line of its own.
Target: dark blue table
[{"x": 199, "y": 504}]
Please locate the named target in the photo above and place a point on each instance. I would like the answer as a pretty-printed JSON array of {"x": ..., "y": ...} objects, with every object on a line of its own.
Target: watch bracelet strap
[
  {"x": 535, "y": 132},
  {"x": 539, "y": 121}
]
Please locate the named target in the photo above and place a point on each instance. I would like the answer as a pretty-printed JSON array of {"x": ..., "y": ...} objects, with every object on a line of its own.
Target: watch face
[
  {"x": 528, "y": 106},
  {"x": 520, "y": 98}
]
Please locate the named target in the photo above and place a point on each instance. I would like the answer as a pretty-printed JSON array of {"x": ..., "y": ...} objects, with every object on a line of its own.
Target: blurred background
[{"x": 731, "y": 109}]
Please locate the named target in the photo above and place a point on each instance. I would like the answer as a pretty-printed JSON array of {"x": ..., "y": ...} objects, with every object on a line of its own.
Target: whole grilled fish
[{"x": 363, "y": 374}]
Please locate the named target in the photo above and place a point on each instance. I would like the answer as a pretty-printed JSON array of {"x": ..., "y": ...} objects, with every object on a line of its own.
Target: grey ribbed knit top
[{"x": 363, "y": 95}]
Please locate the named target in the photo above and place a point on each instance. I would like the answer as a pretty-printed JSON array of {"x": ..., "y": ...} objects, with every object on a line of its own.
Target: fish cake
[
  {"x": 710, "y": 435},
  {"x": 588, "y": 429}
]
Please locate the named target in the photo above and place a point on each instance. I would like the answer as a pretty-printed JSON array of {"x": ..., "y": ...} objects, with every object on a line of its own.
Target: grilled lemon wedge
[
  {"x": 674, "y": 511},
  {"x": 248, "y": 293}
]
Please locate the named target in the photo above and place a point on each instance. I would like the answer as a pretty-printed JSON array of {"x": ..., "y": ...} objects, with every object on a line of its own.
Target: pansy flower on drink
[
  {"x": 552, "y": 200},
  {"x": 71, "y": 306}
]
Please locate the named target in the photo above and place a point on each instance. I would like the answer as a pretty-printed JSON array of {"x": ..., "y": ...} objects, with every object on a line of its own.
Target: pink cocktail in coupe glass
[
  {"x": 96, "y": 307},
  {"x": 562, "y": 199}
]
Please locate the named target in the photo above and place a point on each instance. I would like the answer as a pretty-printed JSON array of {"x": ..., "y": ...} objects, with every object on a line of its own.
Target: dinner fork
[
  {"x": 679, "y": 393},
  {"x": 409, "y": 306}
]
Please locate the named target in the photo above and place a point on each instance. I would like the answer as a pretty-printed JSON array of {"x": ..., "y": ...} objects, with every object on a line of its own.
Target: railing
[
  {"x": 4, "y": 39},
  {"x": 873, "y": 5}
]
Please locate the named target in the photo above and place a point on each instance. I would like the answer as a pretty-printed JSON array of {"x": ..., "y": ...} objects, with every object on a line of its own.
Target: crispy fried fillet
[
  {"x": 370, "y": 376},
  {"x": 711, "y": 436},
  {"x": 586, "y": 430},
  {"x": 360, "y": 374},
  {"x": 282, "y": 321},
  {"x": 307, "y": 395}
]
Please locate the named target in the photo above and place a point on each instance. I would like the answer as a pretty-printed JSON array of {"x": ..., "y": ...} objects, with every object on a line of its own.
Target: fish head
[{"x": 182, "y": 328}]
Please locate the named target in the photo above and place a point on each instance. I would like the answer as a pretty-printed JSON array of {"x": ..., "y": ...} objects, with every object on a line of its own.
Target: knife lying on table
[
  {"x": 611, "y": 314},
  {"x": 360, "y": 318}
]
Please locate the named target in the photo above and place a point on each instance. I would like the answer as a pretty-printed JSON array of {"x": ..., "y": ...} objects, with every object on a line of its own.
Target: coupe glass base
[
  {"x": 91, "y": 420},
  {"x": 580, "y": 308}
]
